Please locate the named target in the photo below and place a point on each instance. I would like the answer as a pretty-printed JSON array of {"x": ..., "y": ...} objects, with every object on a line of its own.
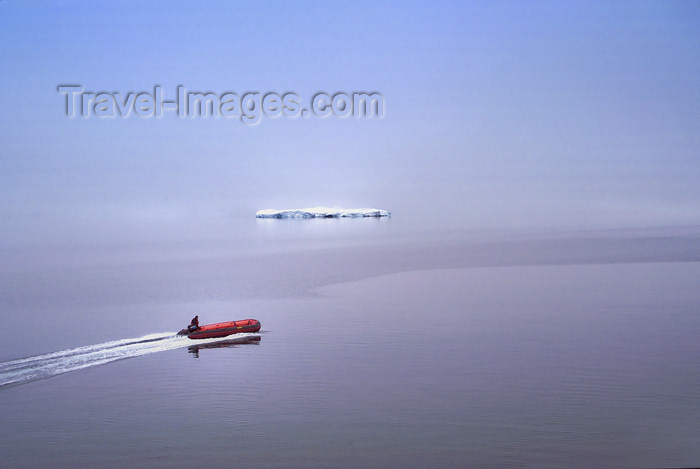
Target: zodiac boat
[{"x": 221, "y": 329}]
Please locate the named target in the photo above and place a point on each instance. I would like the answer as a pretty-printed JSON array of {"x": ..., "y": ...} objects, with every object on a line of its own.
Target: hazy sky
[{"x": 502, "y": 114}]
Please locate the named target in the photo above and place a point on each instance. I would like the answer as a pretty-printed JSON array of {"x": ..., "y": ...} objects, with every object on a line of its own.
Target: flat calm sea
[{"x": 381, "y": 346}]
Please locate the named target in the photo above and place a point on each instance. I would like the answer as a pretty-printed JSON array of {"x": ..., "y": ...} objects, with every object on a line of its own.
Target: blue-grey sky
[{"x": 497, "y": 114}]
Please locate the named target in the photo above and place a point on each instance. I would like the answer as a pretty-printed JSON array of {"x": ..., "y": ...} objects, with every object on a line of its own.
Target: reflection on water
[{"x": 229, "y": 343}]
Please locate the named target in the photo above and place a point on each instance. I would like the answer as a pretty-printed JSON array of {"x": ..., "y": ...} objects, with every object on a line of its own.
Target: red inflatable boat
[{"x": 221, "y": 329}]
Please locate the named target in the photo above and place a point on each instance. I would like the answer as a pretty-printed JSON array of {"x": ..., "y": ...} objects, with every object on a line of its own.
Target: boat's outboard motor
[{"x": 188, "y": 329}]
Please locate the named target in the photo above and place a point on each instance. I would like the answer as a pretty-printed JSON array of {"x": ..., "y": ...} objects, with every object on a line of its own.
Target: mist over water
[{"x": 532, "y": 301}]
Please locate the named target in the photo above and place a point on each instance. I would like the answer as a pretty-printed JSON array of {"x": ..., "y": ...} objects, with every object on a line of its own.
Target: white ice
[{"x": 322, "y": 212}]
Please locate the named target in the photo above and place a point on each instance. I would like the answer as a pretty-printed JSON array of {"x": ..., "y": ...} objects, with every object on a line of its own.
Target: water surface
[{"x": 380, "y": 347}]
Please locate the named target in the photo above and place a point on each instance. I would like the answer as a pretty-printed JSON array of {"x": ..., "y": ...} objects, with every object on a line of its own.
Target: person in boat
[{"x": 194, "y": 325}]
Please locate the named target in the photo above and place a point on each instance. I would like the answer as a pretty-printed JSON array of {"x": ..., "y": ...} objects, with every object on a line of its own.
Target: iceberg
[{"x": 322, "y": 212}]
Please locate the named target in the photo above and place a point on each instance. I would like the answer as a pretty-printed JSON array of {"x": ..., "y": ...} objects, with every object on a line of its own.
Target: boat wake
[{"x": 25, "y": 370}]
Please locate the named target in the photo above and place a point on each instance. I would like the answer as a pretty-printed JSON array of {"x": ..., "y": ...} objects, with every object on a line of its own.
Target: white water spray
[{"x": 29, "y": 369}]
